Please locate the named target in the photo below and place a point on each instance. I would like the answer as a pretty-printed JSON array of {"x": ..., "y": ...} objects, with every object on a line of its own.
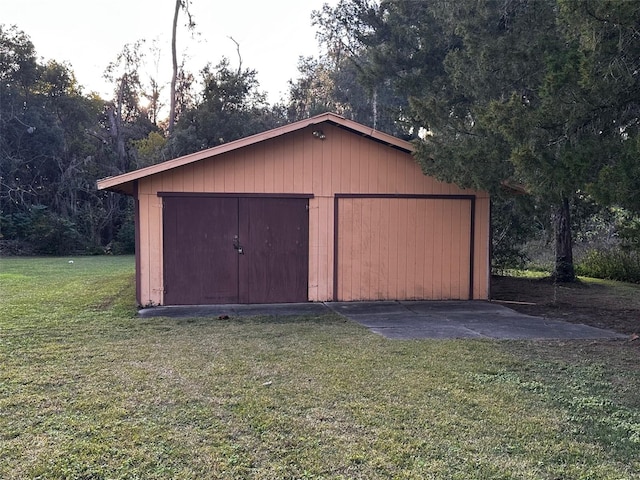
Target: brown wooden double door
[{"x": 221, "y": 249}]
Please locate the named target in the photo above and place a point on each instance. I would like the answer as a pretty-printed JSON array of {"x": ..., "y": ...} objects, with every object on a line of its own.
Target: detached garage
[{"x": 324, "y": 209}]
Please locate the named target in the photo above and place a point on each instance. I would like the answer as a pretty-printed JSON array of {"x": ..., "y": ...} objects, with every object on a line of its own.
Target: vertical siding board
[
  {"x": 323, "y": 261},
  {"x": 436, "y": 273},
  {"x": 392, "y": 246},
  {"x": 316, "y": 165},
  {"x": 460, "y": 271},
  {"x": 145, "y": 257},
  {"x": 355, "y": 241},
  {"x": 260, "y": 170},
  {"x": 401, "y": 247},
  {"x": 358, "y": 167},
  {"x": 389, "y": 253},
  {"x": 477, "y": 249},
  {"x": 443, "y": 225},
  {"x": 452, "y": 248},
  {"x": 145, "y": 186},
  {"x": 269, "y": 168},
  {"x": 348, "y": 238},
  {"x": 448, "y": 251},
  {"x": 377, "y": 160},
  {"x": 407, "y": 176},
  {"x": 340, "y": 208},
  {"x": 198, "y": 179},
  {"x": 176, "y": 180},
  {"x": 420, "y": 250},
  {"x": 314, "y": 250},
  {"x": 377, "y": 267},
  {"x": 239, "y": 183},
  {"x": 157, "y": 280},
  {"x": 343, "y": 165},
  {"x": 335, "y": 159},
  {"x": 307, "y": 155},
  {"x": 321, "y": 257},
  {"x": 217, "y": 167},
  {"x": 190, "y": 178},
  {"x": 297, "y": 167},
  {"x": 448, "y": 230},
  {"x": 250, "y": 170},
  {"x": 150, "y": 249},
  {"x": 427, "y": 244},
  {"x": 326, "y": 151},
  {"x": 459, "y": 247},
  {"x": 288, "y": 164},
  {"x": 411, "y": 245},
  {"x": 209, "y": 174},
  {"x": 366, "y": 245},
  {"x": 383, "y": 253},
  {"x": 328, "y": 247},
  {"x": 354, "y": 168},
  {"x": 344, "y": 219},
  {"x": 230, "y": 172},
  {"x": 368, "y": 158},
  {"x": 464, "y": 246}
]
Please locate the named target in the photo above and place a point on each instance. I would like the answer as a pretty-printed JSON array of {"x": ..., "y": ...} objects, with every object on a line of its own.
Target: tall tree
[
  {"x": 125, "y": 117},
  {"x": 230, "y": 106},
  {"x": 512, "y": 90},
  {"x": 608, "y": 42},
  {"x": 365, "y": 82},
  {"x": 181, "y": 5},
  {"x": 52, "y": 149}
]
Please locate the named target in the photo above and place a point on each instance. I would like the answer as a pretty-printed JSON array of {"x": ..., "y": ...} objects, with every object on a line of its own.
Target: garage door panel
[
  {"x": 194, "y": 228},
  {"x": 235, "y": 250},
  {"x": 410, "y": 248},
  {"x": 277, "y": 250}
]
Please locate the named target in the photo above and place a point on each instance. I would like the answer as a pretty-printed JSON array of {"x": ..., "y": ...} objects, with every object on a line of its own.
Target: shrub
[
  {"x": 612, "y": 264},
  {"x": 52, "y": 234},
  {"x": 125, "y": 242}
]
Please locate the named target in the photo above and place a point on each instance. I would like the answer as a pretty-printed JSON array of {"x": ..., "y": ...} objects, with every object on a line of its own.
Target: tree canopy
[{"x": 540, "y": 94}]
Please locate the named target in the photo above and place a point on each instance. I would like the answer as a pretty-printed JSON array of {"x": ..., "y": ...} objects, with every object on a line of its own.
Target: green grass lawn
[{"x": 88, "y": 391}]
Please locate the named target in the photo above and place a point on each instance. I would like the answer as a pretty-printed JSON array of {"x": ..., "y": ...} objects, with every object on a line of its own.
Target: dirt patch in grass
[{"x": 599, "y": 303}]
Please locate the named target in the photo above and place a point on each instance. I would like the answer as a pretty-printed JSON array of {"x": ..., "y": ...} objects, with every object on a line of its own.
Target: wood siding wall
[
  {"x": 404, "y": 248},
  {"x": 343, "y": 163}
]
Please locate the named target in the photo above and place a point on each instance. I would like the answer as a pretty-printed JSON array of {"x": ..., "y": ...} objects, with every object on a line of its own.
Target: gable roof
[{"x": 124, "y": 183}]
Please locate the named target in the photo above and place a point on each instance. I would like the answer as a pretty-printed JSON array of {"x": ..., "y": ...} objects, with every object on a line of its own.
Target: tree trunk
[
  {"x": 564, "y": 271},
  {"x": 174, "y": 76}
]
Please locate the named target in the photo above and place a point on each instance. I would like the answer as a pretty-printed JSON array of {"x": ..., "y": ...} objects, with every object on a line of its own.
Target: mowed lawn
[{"x": 89, "y": 391}]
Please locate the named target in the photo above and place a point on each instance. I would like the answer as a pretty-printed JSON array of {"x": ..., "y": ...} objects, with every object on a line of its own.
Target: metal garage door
[{"x": 394, "y": 247}]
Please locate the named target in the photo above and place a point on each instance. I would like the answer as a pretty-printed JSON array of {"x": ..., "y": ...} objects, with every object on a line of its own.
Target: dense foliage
[
  {"x": 543, "y": 96},
  {"x": 56, "y": 141}
]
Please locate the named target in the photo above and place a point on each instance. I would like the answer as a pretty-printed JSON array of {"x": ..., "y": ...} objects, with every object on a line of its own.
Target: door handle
[{"x": 237, "y": 246}]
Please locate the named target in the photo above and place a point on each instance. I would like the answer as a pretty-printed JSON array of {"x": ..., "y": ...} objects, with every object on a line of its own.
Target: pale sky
[{"x": 89, "y": 34}]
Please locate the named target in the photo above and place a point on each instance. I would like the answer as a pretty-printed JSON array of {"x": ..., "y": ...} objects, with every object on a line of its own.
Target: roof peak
[{"x": 124, "y": 182}]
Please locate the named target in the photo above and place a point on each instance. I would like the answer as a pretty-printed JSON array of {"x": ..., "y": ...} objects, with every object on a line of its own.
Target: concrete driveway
[
  {"x": 461, "y": 319},
  {"x": 412, "y": 319}
]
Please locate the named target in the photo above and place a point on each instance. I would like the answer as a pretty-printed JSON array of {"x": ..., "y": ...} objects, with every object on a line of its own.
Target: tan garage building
[{"x": 324, "y": 209}]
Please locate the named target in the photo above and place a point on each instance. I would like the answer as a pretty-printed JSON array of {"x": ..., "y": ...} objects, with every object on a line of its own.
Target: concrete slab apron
[
  {"x": 411, "y": 320},
  {"x": 460, "y": 319}
]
